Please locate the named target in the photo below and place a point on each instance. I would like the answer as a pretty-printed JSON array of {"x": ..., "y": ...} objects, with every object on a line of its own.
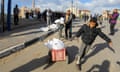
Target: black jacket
[{"x": 88, "y": 35}]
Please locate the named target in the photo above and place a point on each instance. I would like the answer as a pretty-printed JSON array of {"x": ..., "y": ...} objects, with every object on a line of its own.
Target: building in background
[
  {"x": 74, "y": 10},
  {"x": 105, "y": 14},
  {"x": 87, "y": 12},
  {"x": 119, "y": 11},
  {"x": 23, "y": 11},
  {"x": 79, "y": 12}
]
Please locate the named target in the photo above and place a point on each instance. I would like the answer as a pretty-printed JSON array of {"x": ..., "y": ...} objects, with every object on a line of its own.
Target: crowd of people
[{"x": 88, "y": 32}]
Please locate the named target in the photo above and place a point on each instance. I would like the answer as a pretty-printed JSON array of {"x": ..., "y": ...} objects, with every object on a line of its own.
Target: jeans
[
  {"x": 60, "y": 31},
  {"x": 48, "y": 21},
  {"x": 82, "y": 51}
]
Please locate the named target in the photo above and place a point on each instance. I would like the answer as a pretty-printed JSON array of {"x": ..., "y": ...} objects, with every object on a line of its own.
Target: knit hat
[{"x": 94, "y": 19}]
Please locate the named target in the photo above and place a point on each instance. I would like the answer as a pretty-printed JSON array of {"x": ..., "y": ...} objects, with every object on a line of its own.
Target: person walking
[
  {"x": 48, "y": 17},
  {"x": 88, "y": 33},
  {"x": 16, "y": 15},
  {"x": 61, "y": 26},
  {"x": 112, "y": 21},
  {"x": 68, "y": 24}
]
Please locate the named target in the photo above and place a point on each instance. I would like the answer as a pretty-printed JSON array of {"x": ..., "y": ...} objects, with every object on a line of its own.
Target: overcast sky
[{"x": 93, "y": 5}]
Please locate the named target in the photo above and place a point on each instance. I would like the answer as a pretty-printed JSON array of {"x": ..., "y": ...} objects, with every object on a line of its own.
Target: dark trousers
[
  {"x": 16, "y": 20},
  {"x": 68, "y": 28},
  {"x": 112, "y": 26}
]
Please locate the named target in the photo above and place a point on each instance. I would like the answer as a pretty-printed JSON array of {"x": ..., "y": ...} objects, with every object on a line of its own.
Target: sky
[{"x": 95, "y": 6}]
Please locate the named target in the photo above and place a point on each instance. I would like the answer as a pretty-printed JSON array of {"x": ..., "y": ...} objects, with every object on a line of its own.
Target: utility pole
[
  {"x": 33, "y": 7},
  {"x": 76, "y": 8},
  {"x": 2, "y": 15},
  {"x": 72, "y": 5},
  {"x": 33, "y": 4},
  {"x": 9, "y": 16}
]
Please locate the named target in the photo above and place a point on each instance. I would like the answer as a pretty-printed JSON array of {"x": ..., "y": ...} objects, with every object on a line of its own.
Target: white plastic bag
[
  {"x": 57, "y": 21},
  {"x": 44, "y": 29},
  {"x": 55, "y": 44},
  {"x": 53, "y": 26},
  {"x": 49, "y": 44},
  {"x": 61, "y": 20}
]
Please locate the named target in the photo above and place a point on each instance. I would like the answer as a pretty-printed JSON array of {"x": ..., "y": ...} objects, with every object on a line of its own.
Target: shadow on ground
[
  {"x": 104, "y": 67},
  {"x": 116, "y": 30},
  {"x": 45, "y": 60},
  {"x": 97, "y": 49},
  {"x": 118, "y": 62},
  {"x": 36, "y": 63},
  {"x": 71, "y": 52}
]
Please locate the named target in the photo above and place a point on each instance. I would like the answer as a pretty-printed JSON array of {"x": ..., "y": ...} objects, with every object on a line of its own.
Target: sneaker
[
  {"x": 118, "y": 62},
  {"x": 79, "y": 67},
  {"x": 111, "y": 33},
  {"x": 70, "y": 39},
  {"x": 82, "y": 60}
]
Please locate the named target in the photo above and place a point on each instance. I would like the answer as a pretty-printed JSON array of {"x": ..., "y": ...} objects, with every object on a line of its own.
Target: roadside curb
[{"x": 21, "y": 46}]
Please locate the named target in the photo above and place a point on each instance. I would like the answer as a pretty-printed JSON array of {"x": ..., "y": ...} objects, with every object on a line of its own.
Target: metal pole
[
  {"x": 33, "y": 4},
  {"x": 9, "y": 16},
  {"x": 72, "y": 6},
  {"x": 2, "y": 15},
  {"x": 76, "y": 8}
]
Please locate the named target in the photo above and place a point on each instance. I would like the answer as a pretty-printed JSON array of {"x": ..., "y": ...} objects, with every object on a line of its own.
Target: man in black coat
[
  {"x": 68, "y": 24},
  {"x": 16, "y": 15}
]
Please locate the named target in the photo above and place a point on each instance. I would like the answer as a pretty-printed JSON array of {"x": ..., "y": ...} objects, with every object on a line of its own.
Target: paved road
[
  {"x": 34, "y": 58},
  {"x": 21, "y": 35}
]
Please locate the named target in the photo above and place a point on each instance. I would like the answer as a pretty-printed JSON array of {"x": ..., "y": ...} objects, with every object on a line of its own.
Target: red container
[{"x": 58, "y": 55}]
